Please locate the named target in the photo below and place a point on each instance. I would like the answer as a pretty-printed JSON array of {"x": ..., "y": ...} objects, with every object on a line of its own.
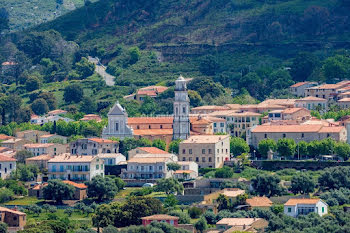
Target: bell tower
[{"x": 181, "y": 123}]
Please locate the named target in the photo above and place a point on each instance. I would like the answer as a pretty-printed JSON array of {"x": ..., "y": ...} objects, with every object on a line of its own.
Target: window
[
  {"x": 209, "y": 151},
  {"x": 284, "y": 135},
  {"x": 10, "y": 166},
  {"x": 161, "y": 126},
  {"x": 142, "y": 168},
  {"x": 183, "y": 159},
  {"x": 302, "y": 135},
  {"x": 209, "y": 159},
  {"x": 5, "y": 169},
  {"x": 190, "y": 151},
  {"x": 160, "y": 168},
  {"x": 203, "y": 159},
  {"x": 214, "y": 124},
  {"x": 197, "y": 159},
  {"x": 97, "y": 167},
  {"x": 151, "y": 168},
  {"x": 116, "y": 126},
  {"x": 183, "y": 151},
  {"x": 289, "y": 210},
  {"x": 190, "y": 159},
  {"x": 203, "y": 151},
  {"x": 265, "y": 135},
  {"x": 322, "y": 209},
  {"x": 184, "y": 109}
]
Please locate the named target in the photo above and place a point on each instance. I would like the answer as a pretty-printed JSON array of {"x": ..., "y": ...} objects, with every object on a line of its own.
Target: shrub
[{"x": 194, "y": 212}]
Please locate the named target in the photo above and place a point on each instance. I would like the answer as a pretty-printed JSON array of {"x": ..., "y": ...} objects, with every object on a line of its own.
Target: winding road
[{"x": 101, "y": 70}]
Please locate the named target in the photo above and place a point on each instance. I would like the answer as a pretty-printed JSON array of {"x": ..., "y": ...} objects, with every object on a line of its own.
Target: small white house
[
  {"x": 7, "y": 165},
  {"x": 112, "y": 159},
  {"x": 295, "y": 207},
  {"x": 188, "y": 170}
]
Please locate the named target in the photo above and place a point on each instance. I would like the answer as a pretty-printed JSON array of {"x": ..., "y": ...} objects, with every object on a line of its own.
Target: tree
[
  {"x": 33, "y": 83},
  {"x": 201, "y": 225},
  {"x": 25, "y": 172},
  {"x": 4, "y": 19},
  {"x": 169, "y": 186},
  {"x": 266, "y": 145},
  {"x": 88, "y": 105},
  {"x": 50, "y": 99},
  {"x": 253, "y": 83},
  {"x": 148, "y": 106},
  {"x": 223, "y": 202},
  {"x": 134, "y": 54},
  {"x": 39, "y": 106},
  {"x": 286, "y": 147},
  {"x": 102, "y": 188},
  {"x": 302, "y": 149},
  {"x": 173, "y": 166},
  {"x": 342, "y": 149},
  {"x": 84, "y": 68},
  {"x": 280, "y": 79},
  {"x": 170, "y": 201},
  {"x": 302, "y": 183},
  {"x": 174, "y": 146},
  {"x": 184, "y": 217},
  {"x": 22, "y": 155},
  {"x": 238, "y": 146},
  {"x": 225, "y": 172},
  {"x": 303, "y": 65},
  {"x": 314, "y": 149},
  {"x": 209, "y": 65},
  {"x": 195, "y": 98},
  {"x": 58, "y": 191},
  {"x": 73, "y": 93},
  {"x": 3, "y": 226},
  {"x": 206, "y": 86},
  {"x": 334, "y": 178},
  {"x": 159, "y": 143},
  {"x": 267, "y": 185},
  {"x": 336, "y": 68},
  {"x": 103, "y": 217},
  {"x": 195, "y": 212}
]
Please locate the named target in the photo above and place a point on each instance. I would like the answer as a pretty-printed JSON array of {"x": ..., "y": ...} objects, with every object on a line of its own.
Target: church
[{"x": 180, "y": 125}]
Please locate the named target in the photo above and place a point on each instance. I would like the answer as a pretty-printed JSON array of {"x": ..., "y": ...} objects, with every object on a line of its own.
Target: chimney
[{"x": 244, "y": 227}]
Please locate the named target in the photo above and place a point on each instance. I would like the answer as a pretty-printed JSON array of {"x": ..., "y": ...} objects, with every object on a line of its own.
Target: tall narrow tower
[{"x": 181, "y": 124}]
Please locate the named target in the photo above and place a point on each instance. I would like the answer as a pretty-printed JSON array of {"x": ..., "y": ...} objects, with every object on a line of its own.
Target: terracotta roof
[
  {"x": 76, "y": 185},
  {"x": 68, "y": 158},
  {"x": 39, "y": 158},
  {"x": 328, "y": 86},
  {"x": 286, "y": 128},
  {"x": 345, "y": 93},
  {"x": 148, "y": 160},
  {"x": 152, "y": 150},
  {"x": 205, "y": 139},
  {"x": 89, "y": 117},
  {"x": 3, "y": 209},
  {"x": 159, "y": 89},
  {"x": 259, "y": 202},
  {"x": 233, "y": 106},
  {"x": 278, "y": 102},
  {"x": 141, "y": 132},
  {"x": 232, "y": 192},
  {"x": 333, "y": 129},
  {"x": 147, "y": 92},
  {"x": 9, "y": 63},
  {"x": 216, "y": 119},
  {"x": 183, "y": 171},
  {"x": 211, "y": 107},
  {"x": 237, "y": 221},
  {"x": 201, "y": 121},
  {"x": 12, "y": 140},
  {"x": 38, "y": 145},
  {"x": 160, "y": 217},
  {"x": 47, "y": 136},
  {"x": 222, "y": 113},
  {"x": 344, "y": 100},
  {"x": 57, "y": 111},
  {"x": 5, "y": 137},
  {"x": 244, "y": 114},
  {"x": 296, "y": 201},
  {"x": 292, "y": 110},
  {"x": 101, "y": 140},
  {"x": 150, "y": 120},
  {"x": 4, "y": 158},
  {"x": 299, "y": 84},
  {"x": 4, "y": 149}
]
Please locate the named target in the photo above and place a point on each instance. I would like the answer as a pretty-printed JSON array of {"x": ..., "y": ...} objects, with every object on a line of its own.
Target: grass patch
[{"x": 24, "y": 201}]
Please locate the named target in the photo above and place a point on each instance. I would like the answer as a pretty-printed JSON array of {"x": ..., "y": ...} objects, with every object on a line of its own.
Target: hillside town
[{"x": 190, "y": 160}]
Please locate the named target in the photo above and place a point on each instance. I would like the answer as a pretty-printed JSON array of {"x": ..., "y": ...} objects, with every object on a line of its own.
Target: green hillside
[
  {"x": 27, "y": 13},
  {"x": 236, "y": 51}
]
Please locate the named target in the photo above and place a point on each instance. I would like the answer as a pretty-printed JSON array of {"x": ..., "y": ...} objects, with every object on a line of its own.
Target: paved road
[{"x": 101, "y": 70}]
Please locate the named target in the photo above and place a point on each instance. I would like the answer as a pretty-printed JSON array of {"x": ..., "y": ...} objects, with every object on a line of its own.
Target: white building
[
  {"x": 181, "y": 124},
  {"x": 188, "y": 170},
  {"x": 117, "y": 123},
  {"x": 74, "y": 167},
  {"x": 294, "y": 207},
  {"x": 7, "y": 165},
  {"x": 147, "y": 168},
  {"x": 112, "y": 159}
]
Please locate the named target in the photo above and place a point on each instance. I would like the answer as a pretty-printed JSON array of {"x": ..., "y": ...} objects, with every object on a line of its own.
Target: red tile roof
[
  {"x": 141, "y": 132},
  {"x": 299, "y": 84},
  {"x": 101, "y": 140},
  {"x": 3, "y": 209},
  {"x": 152, "y": 150},
  {"x": 311, "y": 98},
  {"x": 286, "y": 128},
  {"x": 39, "y": 158},
  {"x": 259, "y": 202},
  {"x": 38, "y": 145},
  {"x": 333, "y": 129},
  {"x": 295, "y": 201},
  {"x": 292, "y": 110},
  {"x": 5, "y": 137},
  {"x": 76, "y": 185},
  {"x": 57, "y": 111},
  {"x": 4, "y": 158},
  {"x": 160, "y": 217},
  {"x": 150, "y": 120}
]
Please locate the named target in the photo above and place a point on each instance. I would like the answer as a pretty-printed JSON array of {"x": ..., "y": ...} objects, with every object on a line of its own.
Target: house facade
[
  {"x": 7, "y": 165},
  {"x": 172, "y": 220},
  {"x": 112, "y": 159},
  {"x": 147, "y": 168},
  {"x": 188, "y": 170},
  {"x": 15, "y": 143},
  {"x": 93, "y": 146},
  {"x": 14, "y": 219},
  {"x": 51, "y": 138},
  {"x": 299, "y": 88},
  {"x": 312, "y": 103},
  {"x": 51, "y": 149},
  {"x": 31, "y": 135},
  {"x": 75, "y": 167},
  {"x": 295, "y": 207},
  {"x": 206, "y": 150}
]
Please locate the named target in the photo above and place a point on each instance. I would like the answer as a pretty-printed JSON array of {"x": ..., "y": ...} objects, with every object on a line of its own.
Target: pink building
[{"x": 172, "y": 220}]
